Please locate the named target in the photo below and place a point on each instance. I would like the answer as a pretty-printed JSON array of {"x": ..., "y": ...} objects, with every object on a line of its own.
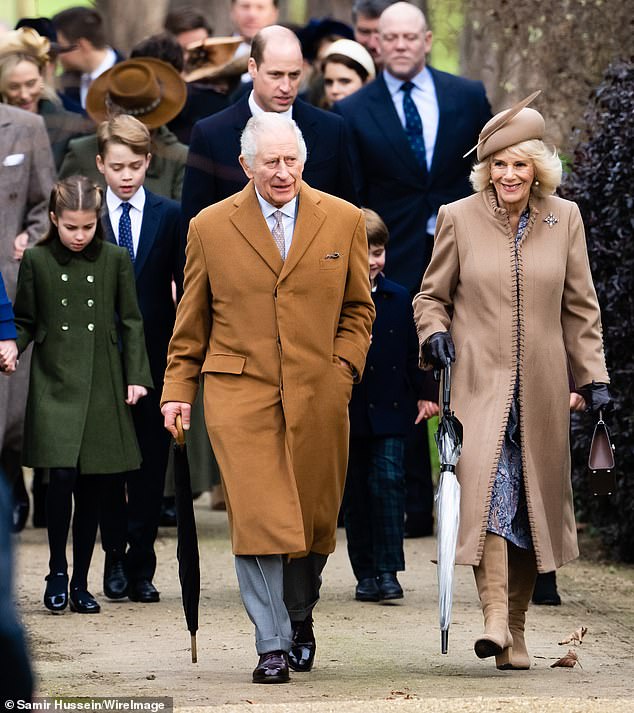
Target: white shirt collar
[
  {"x": 109, "y": 61},
  {"x": 256, "y": 110},
  {"x": 423, "y": 81},
  {"x": 114, "y": 202},
  {"x": 288, "y": 209}
]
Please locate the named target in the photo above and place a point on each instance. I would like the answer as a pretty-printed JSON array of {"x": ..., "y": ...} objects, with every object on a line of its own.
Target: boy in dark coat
[
  {"x": 148, "y": 225},
  {"x": 382, "y": 408}
]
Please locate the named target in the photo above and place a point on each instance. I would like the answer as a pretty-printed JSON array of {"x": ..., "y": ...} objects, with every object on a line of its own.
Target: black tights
[{"x": 87, "y": 490}]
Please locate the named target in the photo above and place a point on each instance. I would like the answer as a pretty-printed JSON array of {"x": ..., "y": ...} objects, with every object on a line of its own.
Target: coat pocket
[{"x": 224, "y": 363}]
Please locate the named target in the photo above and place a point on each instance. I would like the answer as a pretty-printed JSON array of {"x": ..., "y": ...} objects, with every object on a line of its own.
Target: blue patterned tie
[
  {"x": 125, "y": 230},
  {"x": 413, "y": 125}
]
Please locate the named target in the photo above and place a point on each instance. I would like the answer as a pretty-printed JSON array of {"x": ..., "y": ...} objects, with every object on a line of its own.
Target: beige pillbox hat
[{"x": 510, "y": 127}]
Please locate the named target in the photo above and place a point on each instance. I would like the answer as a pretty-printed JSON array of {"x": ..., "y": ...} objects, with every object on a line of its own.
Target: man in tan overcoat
[{"x": 277, "y": 314}]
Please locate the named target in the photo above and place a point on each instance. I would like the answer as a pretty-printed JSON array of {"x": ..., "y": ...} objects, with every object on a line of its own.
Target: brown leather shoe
[
  {"x": 272, "y": 668},
  {"x": 302, "y": 653}
]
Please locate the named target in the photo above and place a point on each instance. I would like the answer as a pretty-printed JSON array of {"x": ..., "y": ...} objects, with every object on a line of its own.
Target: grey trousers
[{"x": 276, "y": 591}]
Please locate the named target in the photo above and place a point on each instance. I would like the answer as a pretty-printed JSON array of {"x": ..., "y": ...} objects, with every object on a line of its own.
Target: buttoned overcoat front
[
  {"x": 267, "y": 334},
  {"x": 81, "y": 312},
  {"x": 532, "y": 317}
]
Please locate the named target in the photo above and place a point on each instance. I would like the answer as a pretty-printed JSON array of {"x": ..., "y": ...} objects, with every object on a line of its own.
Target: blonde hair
[
  {"x": 124, "y": 129},
  {"x": 375, "y": 228},
  {"x": 546, "y": 163},
  {"x": 24, "y": 45}
]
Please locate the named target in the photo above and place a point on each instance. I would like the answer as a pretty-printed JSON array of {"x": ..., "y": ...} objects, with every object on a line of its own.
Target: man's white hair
[{"x": 269, "y": 123}]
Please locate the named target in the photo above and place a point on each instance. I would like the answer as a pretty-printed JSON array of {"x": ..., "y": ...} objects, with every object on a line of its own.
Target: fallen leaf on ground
[
  {"x": 576, "y": 637},
  {"x": 567, "y": 661}
]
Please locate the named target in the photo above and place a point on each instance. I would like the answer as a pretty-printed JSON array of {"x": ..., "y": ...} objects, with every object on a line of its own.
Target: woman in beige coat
[{"x": 509, "y": 285}]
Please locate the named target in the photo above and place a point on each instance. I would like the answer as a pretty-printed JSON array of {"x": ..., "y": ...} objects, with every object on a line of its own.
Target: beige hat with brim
[
  {"x": 355, "y": 51},
  {"x": 215, "y": 57},
  {"x": 148, "y": 89},
  {"x": 510, "y": 127}
]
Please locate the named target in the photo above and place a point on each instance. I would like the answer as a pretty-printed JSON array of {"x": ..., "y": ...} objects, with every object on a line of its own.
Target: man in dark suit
[
  {"x": 403, "y": 174},
  {"x": 275, "y": 65},
  {"x": 408, "y": 131},
  {"x": 149, "y": 226}
]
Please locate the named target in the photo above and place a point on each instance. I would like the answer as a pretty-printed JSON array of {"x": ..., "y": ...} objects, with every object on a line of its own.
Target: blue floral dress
[{"x": 508, "y": 512}]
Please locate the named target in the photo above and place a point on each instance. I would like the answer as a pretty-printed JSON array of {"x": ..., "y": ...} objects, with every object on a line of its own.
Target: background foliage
[{"x": 602, "y": 183}]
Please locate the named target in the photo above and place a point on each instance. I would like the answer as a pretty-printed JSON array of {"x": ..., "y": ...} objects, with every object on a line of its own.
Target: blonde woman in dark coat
[{"x": 509, "y": 295}]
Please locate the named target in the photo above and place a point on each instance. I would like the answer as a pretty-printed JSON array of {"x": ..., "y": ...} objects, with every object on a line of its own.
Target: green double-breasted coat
[{"x": 81, "y": 312}]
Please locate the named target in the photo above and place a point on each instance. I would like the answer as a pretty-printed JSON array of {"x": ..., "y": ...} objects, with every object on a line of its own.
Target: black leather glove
[
  {"x": 439, "y": 350},
  {"x": 597, "y": 397}
]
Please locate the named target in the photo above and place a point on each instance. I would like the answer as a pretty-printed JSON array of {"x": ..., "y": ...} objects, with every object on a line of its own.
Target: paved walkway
[{"x": 371, "y": 657}]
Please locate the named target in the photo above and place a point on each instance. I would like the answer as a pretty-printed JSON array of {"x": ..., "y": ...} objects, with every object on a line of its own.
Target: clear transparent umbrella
[{"x": 449, "y": 442}]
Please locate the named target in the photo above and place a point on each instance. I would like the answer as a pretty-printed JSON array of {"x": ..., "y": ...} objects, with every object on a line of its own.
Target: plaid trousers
[{"x": 374, "y": 505}]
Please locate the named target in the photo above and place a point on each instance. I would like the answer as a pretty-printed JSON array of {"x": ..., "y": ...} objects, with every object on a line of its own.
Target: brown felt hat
[
  {"x": 214, "y": 57},
  {"x": 510, "y": 127},
  {"x": 146, "y": 88}
]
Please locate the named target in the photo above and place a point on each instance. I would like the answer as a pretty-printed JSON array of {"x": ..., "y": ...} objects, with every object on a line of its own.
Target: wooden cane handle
[{"x": 180, "y": 437}]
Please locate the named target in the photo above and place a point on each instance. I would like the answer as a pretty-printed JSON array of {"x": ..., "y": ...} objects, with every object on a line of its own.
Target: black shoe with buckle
[
  {"x": 302, "y": 653},
  {"x": 115, "y": 581},
  {"x": 56, "y": 593},
  {"x": 272, "y": 668},
  {"x": 389, "y": 586}
]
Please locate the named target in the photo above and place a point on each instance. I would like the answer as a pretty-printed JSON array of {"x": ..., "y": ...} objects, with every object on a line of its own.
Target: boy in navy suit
[
  {"x": 147, "y": 225},
  {"x": 382, "y": 408}
]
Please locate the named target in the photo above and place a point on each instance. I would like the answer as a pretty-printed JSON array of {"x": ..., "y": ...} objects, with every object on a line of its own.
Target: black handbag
[{"x": 601, "y": 460}]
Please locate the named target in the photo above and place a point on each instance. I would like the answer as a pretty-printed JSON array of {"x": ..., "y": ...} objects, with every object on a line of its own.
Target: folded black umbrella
[{"x": 187, "y": 547}]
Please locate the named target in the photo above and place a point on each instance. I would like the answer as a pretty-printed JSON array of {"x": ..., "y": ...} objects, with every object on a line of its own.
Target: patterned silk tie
[
  {"x": 125, "y": 230},
  {"x": 413, "y": 125},
  {"x": 278, "y": 233}
]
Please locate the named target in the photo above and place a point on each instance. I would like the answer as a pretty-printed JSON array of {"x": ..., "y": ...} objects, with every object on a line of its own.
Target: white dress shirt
[
  {"x": 137, "y": 203},
  {"x": 426, "y": 101},
  {"x": 256, "y": 110},
  {"x": 288, "y": 218},
  {"x": 87, "y": 79}
]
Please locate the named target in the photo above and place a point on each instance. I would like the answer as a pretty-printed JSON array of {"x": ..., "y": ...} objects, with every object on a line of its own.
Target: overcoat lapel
[
  {"x": 381, "y": 109},
  {"x": 107, "y": 227},
  {"x": 443, "y": 148},
  {"x": 310, "y": 218},
  {"x": 152, "y": 217},
  {"x": 248, "y": 219}
]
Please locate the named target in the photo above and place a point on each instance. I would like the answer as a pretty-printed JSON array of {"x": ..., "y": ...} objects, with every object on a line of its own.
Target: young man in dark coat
[{"x": 149, "y": 227}]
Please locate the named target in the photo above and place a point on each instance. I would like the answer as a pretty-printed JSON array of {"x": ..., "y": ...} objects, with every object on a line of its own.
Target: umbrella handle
[
  {"x": 194, "y": 649},
  {"x": 180, "y": 438},
  {"x": 446, "y": 388}
]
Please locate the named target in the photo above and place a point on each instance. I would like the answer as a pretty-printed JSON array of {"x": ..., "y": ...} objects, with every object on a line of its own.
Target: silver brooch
[{"x": 551, "y": 220}]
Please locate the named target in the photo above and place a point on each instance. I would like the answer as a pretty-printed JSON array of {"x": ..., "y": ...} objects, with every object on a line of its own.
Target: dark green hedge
[{"x": 602, "y": 183}]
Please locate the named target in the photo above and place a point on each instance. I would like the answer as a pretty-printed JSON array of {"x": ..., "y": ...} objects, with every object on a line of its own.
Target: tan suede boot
[
  {"x": 522, "y": 574},
  {"x": 491, "y": 577}
]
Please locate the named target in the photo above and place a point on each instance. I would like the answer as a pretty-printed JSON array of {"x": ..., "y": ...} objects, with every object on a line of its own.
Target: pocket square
[
  {"x": 332, "y": 256},
  {"x": 14, "y": 159}
]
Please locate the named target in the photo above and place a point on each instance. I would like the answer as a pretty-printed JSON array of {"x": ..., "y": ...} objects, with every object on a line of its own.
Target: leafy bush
[{"x": 602, "y": 183}]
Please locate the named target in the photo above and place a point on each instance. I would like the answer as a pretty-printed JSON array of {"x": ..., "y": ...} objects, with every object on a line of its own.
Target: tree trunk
[
  {"x": 130, "y": 21},
  {"x": 560, "y": 47}
]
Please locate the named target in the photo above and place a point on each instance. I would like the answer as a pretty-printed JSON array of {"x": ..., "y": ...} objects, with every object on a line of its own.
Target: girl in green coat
[{"x": 76, "y": 300}]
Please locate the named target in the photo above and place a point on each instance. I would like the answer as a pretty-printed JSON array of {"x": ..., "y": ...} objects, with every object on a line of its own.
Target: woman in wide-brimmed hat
[
  {"x": 508, "y": 294},
  {"x": 152, "y": 92}
]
